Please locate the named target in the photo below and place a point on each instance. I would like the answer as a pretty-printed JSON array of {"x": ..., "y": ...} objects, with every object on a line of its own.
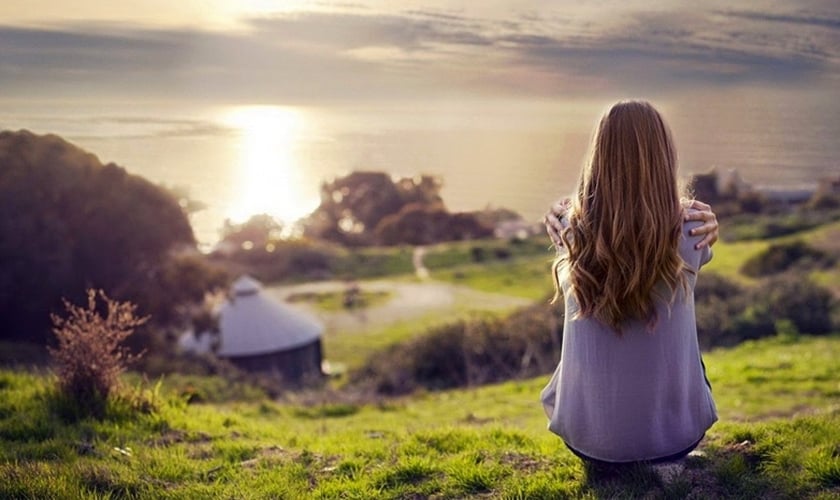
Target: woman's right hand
[{"x": 552, "y": 221}]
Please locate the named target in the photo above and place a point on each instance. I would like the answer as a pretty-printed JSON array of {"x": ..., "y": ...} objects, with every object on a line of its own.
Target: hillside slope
[{"x": 780, "y": 424}]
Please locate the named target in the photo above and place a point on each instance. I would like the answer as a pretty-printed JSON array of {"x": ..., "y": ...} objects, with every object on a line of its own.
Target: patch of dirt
[{"x": 523, "y": 462}]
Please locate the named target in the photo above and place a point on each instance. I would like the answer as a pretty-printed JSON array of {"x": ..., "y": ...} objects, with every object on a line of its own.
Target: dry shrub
[{"x": 90, "y": 355}]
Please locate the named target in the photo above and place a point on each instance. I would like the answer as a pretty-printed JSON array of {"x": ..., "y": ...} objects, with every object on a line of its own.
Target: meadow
[
  {"x": 208, "y": 437},
  {"x": 779, "y": 405}
]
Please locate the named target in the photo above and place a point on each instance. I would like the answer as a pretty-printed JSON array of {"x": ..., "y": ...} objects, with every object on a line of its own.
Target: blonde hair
[{"x": 625, "y": 221}]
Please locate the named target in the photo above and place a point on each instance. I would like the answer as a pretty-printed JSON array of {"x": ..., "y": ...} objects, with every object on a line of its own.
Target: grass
[
  {"x": 488, "y": 442},
  {"x": 526, "y": 277}
]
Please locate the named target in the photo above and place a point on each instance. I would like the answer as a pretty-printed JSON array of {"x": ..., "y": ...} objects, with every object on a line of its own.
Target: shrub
[
  {"x": 90, "y": 355},
  {"x": 807, "y": 305},
  {"x": 783, "y": 256},
  {"x": 727, "y": 314},
  {"x": 466, "y": 353}
]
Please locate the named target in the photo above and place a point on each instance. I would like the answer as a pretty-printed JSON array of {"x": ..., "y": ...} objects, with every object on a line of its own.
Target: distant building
[{"x": 259, "y": 334}]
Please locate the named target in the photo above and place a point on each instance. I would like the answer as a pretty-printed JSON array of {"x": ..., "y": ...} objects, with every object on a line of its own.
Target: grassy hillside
[
  {"x": 730, "y": 257},
  {"x": 487, "y": 442}
]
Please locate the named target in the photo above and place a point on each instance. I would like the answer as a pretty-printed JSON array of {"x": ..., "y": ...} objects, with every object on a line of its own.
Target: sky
[{"x": 303, "y": 52}]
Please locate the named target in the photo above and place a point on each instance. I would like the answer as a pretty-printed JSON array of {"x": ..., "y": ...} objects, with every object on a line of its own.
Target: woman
[{"x": 631, "y": 385}]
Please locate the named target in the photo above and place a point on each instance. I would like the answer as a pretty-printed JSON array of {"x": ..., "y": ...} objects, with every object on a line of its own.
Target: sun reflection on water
[{"x": 270, "y": 179}]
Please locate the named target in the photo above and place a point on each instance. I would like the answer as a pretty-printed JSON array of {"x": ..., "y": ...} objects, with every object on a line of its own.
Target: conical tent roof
[{"x": 252, "y": 324}]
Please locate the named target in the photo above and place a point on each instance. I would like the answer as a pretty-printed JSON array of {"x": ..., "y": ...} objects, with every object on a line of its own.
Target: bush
[
  {"x": 728, "y": 314},
  {"x": 783, "y": 256},
  {"x": 807, "y": 305},
  {"x": 467, "y": 353},
  {"x": 90, "y": 355}
]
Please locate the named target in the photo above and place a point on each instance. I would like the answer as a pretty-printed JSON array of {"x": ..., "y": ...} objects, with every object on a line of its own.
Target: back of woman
[{"x": 630, "y": 385}]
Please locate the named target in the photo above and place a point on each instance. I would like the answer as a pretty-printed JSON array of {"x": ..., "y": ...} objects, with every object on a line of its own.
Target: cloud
[
  {"x": 360, "y": 53},
  {"x": 802, "y": 18}
]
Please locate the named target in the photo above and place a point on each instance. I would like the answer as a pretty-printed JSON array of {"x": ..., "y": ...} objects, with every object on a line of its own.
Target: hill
[{"x": 780, "y": 424}]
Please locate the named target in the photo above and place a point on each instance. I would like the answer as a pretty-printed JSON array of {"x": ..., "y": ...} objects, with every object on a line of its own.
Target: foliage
[
  {"x": 282, "y": 260},
  {"x": 780, "y": 257},
  {"x": 728, "y": 313},
  {"x": 744, "y": 227},
  {"x": 419, "y": 224},
  {"x": 90, "y": 355},
  {"x": 468, "y": 352},
  {"x": 258, "y": 231},
  {"x": 352, "y": 206},
  {"x": 77, "y": 224},
  {"x": 372, "y": 208}
]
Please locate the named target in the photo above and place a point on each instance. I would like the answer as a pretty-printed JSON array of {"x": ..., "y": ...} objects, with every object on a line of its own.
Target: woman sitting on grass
[{"x": 631, "y": 384}]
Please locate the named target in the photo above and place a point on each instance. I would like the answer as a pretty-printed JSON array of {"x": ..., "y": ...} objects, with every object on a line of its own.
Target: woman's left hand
[{"x": 710, "y": 230}]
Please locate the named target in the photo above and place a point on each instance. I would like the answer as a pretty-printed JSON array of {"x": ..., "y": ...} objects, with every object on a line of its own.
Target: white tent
[
  {"x": 252, "y": 323},
  {"x": 261, "y": 334}
]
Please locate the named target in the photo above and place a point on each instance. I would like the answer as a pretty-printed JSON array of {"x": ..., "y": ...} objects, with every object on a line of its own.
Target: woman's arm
[{"x": 710, "y": 230}]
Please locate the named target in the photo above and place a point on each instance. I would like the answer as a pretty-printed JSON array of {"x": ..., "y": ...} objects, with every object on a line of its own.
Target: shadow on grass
[{"x": 726, "y": 472}]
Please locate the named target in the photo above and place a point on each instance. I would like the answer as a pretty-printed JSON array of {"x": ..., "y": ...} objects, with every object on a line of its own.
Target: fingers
[
  {"x": 703, "y": 215},
  {"x": 553, "y": 227},
  {"x": 699, "y": 205},
  {"x": 706, "y": 228},
  {"x": 561, "y": 207},
  {"x": 708, "y": 240},
  {"x": 709, "y": 231}
]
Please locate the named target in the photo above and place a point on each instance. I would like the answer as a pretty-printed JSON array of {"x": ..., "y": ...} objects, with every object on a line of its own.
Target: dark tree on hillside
[
  {"x": 418, "y": 224},
  {"x": 70, "y": 223},
  {"x": 352, "y": 206},
  {"x": 258, "y": 230}
]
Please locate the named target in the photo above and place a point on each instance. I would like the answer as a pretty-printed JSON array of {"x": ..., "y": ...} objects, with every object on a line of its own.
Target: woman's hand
[
  {"x": 553, "y": 226},
  {"x": 710, "y": 229}
]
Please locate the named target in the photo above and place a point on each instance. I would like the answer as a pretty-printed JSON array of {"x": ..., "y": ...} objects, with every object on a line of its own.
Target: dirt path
[{"x": 408, "y": 301}]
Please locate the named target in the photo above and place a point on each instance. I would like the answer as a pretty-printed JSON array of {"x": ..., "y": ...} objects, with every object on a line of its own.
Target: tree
[
  {"x": 257, "y": 231},
  {"x": 418, "y": 224},
  {"x": 352, "y": 206},
  {"x": 71, "y": 223}
]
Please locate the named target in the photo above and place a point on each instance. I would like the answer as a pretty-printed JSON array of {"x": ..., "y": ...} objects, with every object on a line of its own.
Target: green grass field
[
  {"x": 779, "y": 403},
  {"x": 778, "y": 437}
]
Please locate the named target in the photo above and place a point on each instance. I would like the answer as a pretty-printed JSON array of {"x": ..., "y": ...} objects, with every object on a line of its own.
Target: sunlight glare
[{"x": 269, "y": 179}]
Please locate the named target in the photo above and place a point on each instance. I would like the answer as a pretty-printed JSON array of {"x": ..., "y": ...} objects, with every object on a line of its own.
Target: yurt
[{"x": 257, "y": 333}]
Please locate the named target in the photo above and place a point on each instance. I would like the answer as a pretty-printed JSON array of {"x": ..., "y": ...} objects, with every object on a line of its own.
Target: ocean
[{"x": 244, "y": 159}]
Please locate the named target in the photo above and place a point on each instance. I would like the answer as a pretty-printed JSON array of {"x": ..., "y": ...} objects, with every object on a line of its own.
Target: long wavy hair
[{"x": 625, "y": 221}]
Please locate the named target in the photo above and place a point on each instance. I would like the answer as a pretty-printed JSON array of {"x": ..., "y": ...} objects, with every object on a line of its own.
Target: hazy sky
[{"x": 305, "y": 51}]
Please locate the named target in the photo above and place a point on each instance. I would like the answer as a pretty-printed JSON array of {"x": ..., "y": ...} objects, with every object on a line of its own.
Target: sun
[{"x": 269, "y": 178}]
